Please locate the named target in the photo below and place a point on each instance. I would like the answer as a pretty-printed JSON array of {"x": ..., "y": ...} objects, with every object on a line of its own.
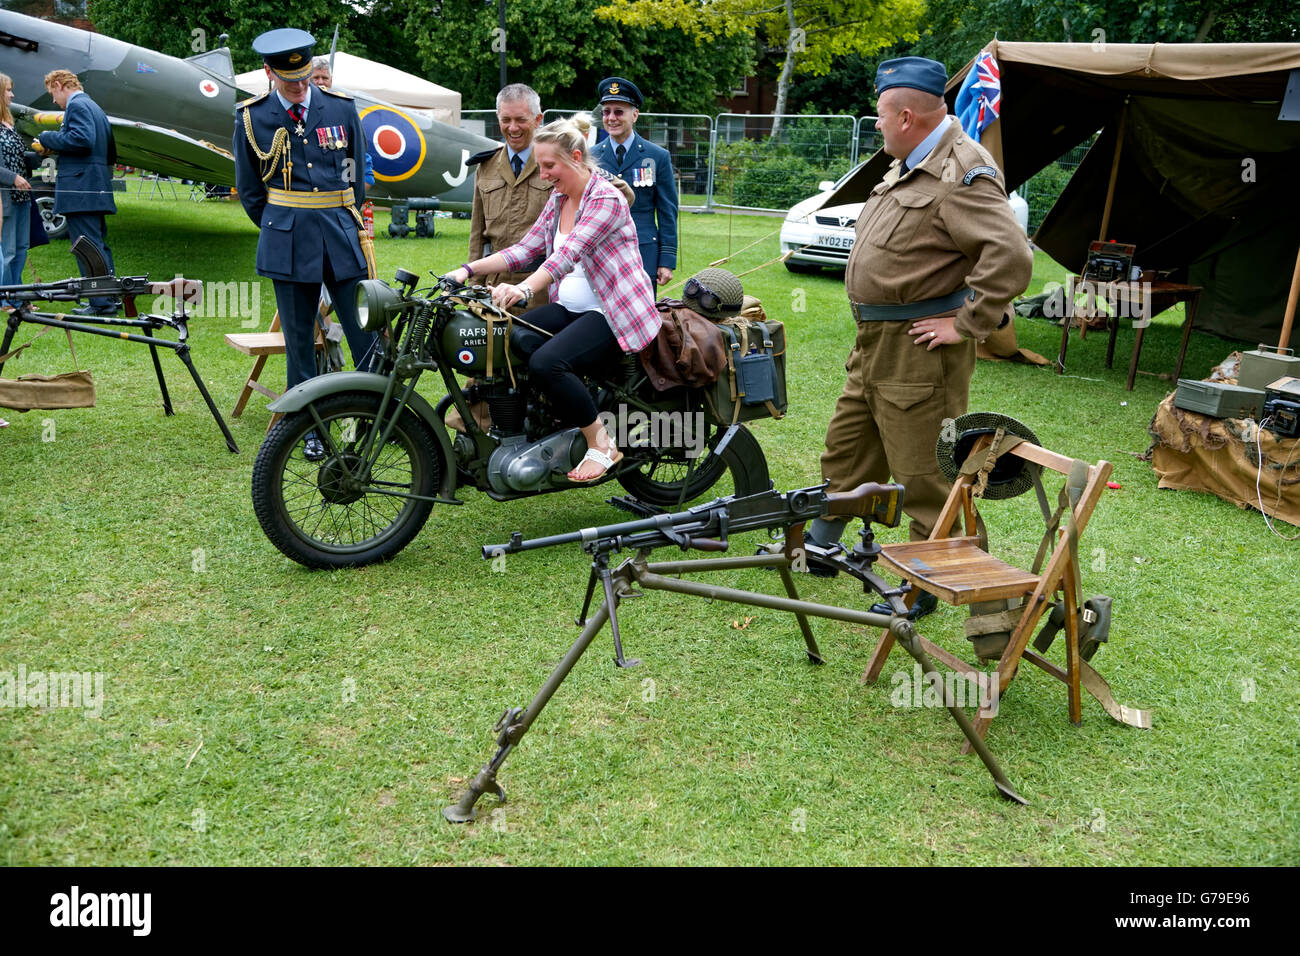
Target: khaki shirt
[
  {"x": 504, "y": 208},
  {"x": 944, "y": 225}
]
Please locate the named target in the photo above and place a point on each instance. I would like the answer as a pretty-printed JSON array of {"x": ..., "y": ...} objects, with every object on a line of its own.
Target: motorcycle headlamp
[{"x": 377, "y": 302}]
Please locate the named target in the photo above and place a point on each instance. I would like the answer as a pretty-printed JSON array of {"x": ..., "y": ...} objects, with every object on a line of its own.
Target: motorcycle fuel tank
[{"x": 465, "y": 343}]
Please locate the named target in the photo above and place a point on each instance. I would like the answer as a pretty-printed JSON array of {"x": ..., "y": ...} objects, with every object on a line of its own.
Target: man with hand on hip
[{"x": 937, "y": 259}]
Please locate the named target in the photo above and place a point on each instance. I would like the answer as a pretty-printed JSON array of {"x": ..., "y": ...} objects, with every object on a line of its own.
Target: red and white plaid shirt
[{"x": 604, "y": 241}]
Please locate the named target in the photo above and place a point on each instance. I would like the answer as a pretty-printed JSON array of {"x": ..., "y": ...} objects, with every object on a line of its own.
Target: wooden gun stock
[{"x": 882, "y": 504}]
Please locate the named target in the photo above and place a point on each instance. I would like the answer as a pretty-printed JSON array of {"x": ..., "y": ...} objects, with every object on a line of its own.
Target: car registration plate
[{"x": 835, "y": 242}]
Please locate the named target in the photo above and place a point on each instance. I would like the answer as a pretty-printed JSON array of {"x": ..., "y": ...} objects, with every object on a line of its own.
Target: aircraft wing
[
  {"x": 173, "y": 154},
  {"x": 149, "y": 147}
]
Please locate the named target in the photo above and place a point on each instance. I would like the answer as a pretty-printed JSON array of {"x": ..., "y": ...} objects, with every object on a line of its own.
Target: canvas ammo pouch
[
  {"x": 30, "y": 392},
  {"x": 753, "y": 384}
]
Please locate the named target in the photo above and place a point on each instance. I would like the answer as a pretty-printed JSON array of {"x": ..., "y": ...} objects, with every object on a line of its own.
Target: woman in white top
[{"x": 602, "y": 305}]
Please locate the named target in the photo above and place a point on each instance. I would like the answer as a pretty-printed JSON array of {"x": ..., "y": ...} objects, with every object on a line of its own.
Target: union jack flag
[{"x": 979, "y": 102}]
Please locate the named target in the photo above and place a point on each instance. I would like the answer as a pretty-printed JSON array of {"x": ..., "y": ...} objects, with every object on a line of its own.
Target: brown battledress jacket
[
  {"x": 505, "y": 209},
  {"x": 943, "y": 226}
]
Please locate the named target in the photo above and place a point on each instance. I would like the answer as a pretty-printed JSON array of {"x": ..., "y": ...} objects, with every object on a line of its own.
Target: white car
[{"x": 821, "y": 235}]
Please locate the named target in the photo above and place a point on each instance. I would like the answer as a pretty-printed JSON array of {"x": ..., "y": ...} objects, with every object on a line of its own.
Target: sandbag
[{"x": 1219, "y": 456}]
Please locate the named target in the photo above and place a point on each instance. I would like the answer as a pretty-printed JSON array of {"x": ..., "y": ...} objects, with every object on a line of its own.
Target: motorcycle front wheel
[{"x": 315, "y": 513}]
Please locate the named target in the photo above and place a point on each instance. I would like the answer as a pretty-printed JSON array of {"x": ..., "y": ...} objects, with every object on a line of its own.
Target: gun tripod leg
[
  {"x": 514, "y": 723},
  {"x": 611, "y": 602},
  {"x": 814, "y": 653},
  {"x": 157, "y": 368},
  {"x": 907, "y": 637},
  {"x": 581, "y": 619},
  {"x": 10, "y": 328},
  {"x": 183, "y": 352}
]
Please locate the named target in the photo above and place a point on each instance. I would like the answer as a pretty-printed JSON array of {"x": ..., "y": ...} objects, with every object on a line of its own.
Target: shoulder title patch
[{"x": 972, "y": 174}]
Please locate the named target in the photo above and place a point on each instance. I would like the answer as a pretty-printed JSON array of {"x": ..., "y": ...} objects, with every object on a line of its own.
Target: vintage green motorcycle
[{"x": 389, "y": 455}]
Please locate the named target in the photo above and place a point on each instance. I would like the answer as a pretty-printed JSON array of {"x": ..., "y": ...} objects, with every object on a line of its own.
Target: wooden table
[{"x": 1135, "y": 298}]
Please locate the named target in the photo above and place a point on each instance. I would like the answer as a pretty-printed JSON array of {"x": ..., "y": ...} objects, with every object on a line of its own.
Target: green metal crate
[
  {"x": 1218, "y": 399},
  {"x": 1262, "y": 365}
]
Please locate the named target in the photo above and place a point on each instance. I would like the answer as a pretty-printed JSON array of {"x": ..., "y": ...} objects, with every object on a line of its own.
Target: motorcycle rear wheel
[
  {"x": 307, "y": 509},
  {"x": 659, "y": 476}
]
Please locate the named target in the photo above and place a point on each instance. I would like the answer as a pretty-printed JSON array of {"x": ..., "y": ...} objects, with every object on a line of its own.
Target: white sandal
[{"x": 600, "y": 458}]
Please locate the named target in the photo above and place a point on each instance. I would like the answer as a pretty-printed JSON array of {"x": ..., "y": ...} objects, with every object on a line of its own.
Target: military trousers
[
  {"x": 297, "y": 303},
  {"x": 93, "y": 226},
  {"x": 889, "y": 416}
]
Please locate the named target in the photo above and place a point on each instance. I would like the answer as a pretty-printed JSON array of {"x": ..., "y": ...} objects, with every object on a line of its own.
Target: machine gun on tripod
[
  {"x": 96, "y": 281},
  {"x": 708, "y": 527}
]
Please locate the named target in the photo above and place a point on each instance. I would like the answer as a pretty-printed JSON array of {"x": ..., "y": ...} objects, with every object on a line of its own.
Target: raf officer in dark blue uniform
[
  {"x": 649, "y": 170},
  {"x": 299, "y": 168},
  {"x": 83, "y": 191}
]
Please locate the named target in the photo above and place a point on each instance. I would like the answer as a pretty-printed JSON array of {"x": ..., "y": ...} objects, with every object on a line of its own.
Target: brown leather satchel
[{"x": 689, "y": 349}]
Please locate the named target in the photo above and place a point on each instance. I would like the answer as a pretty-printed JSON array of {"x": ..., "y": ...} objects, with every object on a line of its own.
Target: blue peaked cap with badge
[
  {"x": 287, "y": 52},
  {"x": 615, "y": 89},
  {"x": 913, "y": 72}
]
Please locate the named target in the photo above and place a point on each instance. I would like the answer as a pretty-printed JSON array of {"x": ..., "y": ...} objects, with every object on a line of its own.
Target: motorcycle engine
[{"x": 521, "y": 465}]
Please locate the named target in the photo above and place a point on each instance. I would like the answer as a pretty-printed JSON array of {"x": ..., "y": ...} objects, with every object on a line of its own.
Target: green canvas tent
[{"x": 1208, "y": 177}]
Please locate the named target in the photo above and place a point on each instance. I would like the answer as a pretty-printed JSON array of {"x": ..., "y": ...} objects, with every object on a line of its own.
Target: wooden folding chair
[
  {"x": 260, "y": 345},
  {"x": 959, "y": 570}
]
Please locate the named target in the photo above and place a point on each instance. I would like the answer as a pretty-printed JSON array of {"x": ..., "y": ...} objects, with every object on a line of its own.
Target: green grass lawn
[{"x": 255, "y": 712}]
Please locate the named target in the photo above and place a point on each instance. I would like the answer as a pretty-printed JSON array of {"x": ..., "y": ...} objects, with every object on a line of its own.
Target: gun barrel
[{"x": 518, "y": 543}]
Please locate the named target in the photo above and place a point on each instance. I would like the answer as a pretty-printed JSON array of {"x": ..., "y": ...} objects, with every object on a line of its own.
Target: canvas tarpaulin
[
  {"x": 1209, "y": 178},
  {"x": 1227, "y": 457}
]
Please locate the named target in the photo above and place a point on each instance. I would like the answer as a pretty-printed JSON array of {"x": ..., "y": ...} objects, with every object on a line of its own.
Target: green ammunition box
[
  {"x": 1218, "y": 399},
  {"x": 1263, "y": 365}
]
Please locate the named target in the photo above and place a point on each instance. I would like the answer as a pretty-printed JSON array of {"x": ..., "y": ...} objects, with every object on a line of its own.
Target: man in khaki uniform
[
  {"x": 508, "y": 191},
  {"x": 937, "y": 260}
]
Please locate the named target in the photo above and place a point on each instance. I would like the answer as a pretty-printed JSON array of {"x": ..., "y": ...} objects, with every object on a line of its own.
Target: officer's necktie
[
  {"x": 516, "y": 164},
  {"x": 620, "y": 153},
  {"x": 902, "y": 170},
  {"x": 296, "y": 112}
]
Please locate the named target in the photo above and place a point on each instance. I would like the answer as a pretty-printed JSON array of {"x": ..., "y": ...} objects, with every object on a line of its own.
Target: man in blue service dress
[
  {"x": 649, "y": 170},
  {"x": 299, "y": 168},
  {"x": 83, "y": 191}
]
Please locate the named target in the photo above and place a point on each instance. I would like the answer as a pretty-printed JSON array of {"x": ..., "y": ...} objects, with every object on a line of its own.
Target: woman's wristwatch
[{"x": 527, "y": 292}]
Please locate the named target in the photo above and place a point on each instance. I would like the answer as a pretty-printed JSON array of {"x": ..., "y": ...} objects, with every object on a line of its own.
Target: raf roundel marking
[
  {"x": 465, "y": 357},
  {"x": 208, "y": 88},
  {"x": 395, "y": 143}
]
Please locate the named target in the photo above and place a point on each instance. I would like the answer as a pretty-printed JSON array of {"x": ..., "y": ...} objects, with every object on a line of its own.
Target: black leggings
[{"x": 583, "y": 343}]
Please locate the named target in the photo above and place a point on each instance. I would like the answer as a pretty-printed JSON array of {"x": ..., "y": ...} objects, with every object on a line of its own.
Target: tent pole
[
  {"x": 1101, "y": 235},
  {"x": 1290, "y": 308},
  {"x": 1114, "y": 174}
]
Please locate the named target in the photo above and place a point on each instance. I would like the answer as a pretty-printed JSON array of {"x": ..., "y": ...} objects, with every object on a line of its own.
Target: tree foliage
[
  {"x": 183, "y": 31},
  {"x": 562, "y": 50},
  {"x": 808, "y": 34},
  {"x": 823, "y": 29}
]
